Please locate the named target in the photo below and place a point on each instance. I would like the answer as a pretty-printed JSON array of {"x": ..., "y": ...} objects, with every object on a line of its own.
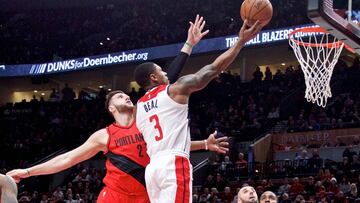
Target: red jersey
[{"x": 126, "y": 160}]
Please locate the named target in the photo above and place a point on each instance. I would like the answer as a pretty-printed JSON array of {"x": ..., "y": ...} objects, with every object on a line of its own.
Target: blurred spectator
[
  {"x": 241, "y": 163},
  {"x": 87, "y": 30},
  {"x": 296, "y": 187},
  {"x": 68, "y": 93},
  {"x": 285, "y": 187}
]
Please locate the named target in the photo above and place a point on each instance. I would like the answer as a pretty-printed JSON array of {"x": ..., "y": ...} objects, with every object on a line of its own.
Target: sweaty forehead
[
  {"x": 247, "y": 188},
  {"x": 117, "y": 95}
]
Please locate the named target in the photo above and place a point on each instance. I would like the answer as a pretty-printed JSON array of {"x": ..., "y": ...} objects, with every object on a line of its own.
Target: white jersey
[{"x": 163, "y": 122}]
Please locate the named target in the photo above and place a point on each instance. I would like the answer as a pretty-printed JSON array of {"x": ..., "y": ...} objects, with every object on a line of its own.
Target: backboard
[{"x": 322, "y": 13}]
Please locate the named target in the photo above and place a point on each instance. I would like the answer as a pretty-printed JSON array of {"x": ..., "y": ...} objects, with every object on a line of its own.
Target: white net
[{"x": 317, "y": 57}]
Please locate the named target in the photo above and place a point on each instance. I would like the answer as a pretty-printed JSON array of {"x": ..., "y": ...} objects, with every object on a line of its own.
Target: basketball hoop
[{"x": 317, "y": 57}]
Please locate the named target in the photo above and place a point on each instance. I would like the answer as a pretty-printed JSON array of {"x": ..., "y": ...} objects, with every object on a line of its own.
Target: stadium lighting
[{"x": 35, "y": 91}]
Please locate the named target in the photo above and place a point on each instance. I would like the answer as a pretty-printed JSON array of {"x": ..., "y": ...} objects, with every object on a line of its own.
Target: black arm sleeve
[{"x": 176, "y": 66}]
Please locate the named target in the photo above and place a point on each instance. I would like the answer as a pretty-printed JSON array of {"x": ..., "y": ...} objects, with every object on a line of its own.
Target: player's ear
[
  {"x": 111, "y": 108},
  {"x": 153, "y": 77}
]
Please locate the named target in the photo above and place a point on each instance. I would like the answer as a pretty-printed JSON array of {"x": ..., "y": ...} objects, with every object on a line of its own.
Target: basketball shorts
[
  {"x": 169, "y": 179},
  {"x": 108, "y": 195}
]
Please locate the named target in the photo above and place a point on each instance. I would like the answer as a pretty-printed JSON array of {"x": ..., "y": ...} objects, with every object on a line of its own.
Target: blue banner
[{"x": 138, "y": 55}]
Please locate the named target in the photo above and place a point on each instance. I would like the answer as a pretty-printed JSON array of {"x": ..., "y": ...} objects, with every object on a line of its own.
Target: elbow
[{"x": 218, "y": 67}]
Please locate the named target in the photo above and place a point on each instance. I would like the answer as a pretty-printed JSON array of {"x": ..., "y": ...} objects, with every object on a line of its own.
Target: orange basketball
[{"x": 253, "y": 10}]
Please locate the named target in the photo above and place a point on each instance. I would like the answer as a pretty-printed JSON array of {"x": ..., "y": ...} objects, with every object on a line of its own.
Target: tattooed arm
[{"x": 187, "y": 84}]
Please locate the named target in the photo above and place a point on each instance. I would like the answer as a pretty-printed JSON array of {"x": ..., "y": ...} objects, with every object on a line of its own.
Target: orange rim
[{"x": 319, "y": 30}]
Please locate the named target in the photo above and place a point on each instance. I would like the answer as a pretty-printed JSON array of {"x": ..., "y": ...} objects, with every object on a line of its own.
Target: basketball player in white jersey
[
  {"x": 162, "y": 117},
  {"x": 8, "y": 189}
]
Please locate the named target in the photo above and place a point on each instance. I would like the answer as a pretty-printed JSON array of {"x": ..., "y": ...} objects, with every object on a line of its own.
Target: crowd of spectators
[
  {"x": 43, "y": 35},
  {"x": 304, "y": 179},
  {"x": 82, "y": 185},
  {"x": 222, "y": 105},
  {"x": 34, "y": 129},
  {"x": 342, "y": 110},
  {"x": 37, "y": 128}
]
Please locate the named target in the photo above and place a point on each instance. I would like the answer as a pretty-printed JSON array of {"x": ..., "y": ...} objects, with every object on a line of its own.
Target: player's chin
[
  {"x": 130, "y": 106},
  {"x": 125, "y": 107}
]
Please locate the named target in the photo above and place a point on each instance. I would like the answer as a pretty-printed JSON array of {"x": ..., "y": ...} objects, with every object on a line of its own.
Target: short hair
[
  {"x": 142, "y": 73},
  {"x": 109, "y": 96},
  {"x": 270, "y": 193}
]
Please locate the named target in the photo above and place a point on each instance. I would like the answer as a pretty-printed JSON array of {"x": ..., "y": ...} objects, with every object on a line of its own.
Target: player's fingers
[
  {"x": 191, "y": 26},
  {"x": 214, "y": 133},
  {"x": 224, "y": 149},
  {"x": 221, "y": 139},
  {"x": 204, "y": 33},
  {"x": 202, "y": 25},
  {"x": 196, "y": 19},
  {"x": 10, "y": 173},
  {"x": 201, "y": 20},
  {"x": 224, "y": 144},
  {"x": 255, "y": 27},
  {"x": 243, "y": 27}
]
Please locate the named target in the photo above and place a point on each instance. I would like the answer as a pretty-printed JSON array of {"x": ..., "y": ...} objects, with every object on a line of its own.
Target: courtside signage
[{"x": 139, "y": 55}]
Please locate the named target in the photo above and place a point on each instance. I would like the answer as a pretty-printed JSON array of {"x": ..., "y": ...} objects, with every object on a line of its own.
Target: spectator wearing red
[
  {"x": 296, "y": 187},
  {"x": 241, "y": 162},
  {"x": 333, "y": 188}
]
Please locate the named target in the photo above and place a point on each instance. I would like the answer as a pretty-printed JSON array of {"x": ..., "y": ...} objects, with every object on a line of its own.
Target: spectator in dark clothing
[
  {"x": 257, "y": 75},
  {"x": 268, "y": 74},
  {"x": 220, "y": 182},
  {"x": 209, "y": 182},
  {"x": 68, "y": 93},
  {"x": 310, "y": 187}
]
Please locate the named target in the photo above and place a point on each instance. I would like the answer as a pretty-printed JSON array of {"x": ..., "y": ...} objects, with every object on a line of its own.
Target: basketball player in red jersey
[
  {"x": 123, "y": 145},
  {"x": 162, "y": 117}
]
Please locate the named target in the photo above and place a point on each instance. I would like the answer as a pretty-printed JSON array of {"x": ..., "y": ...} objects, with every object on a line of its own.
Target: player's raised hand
[
  {"x": 18, "y": 174},
  {"x": 195, "y": 32},
  {"x": 219, "y": 145},
  {"x": 247, "y": 33}
]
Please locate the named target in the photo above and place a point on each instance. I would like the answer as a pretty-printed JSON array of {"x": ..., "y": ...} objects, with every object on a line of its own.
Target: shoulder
[
  {"x": 101, "y": 136},
  {"x": 153, "y": 93}
]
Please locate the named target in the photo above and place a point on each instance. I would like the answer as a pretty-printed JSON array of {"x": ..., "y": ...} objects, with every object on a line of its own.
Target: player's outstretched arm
[
  {"x": 194, "y": 82},
  {"x": 219, "y": 145},
  {"x": 195, "y": 34},
  {"x": 96, "y": 143}
]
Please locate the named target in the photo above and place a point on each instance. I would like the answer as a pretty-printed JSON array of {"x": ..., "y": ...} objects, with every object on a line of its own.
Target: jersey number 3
[{"x": 157, "y": 126}]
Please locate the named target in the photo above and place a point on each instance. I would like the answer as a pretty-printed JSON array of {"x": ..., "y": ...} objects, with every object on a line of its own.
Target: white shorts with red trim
[{"x": 169, "y": 179}]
